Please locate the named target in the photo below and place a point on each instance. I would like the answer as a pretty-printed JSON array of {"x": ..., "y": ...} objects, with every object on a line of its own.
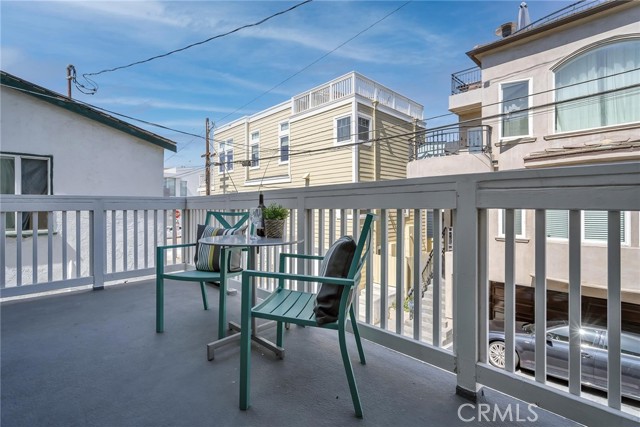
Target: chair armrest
[
  {"x": 182, "y": 245},
  {"x": 301, "y": 277},
  {"x": 283, "y": 258},
  {"x": 303, "y": 256}
]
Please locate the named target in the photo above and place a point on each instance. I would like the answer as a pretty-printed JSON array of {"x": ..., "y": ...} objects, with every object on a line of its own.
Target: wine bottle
[{"x": 261, "y": 206}]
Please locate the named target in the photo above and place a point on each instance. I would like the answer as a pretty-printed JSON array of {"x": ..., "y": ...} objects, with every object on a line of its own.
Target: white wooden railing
[
  {"x": 118, "y": 235},
  {"x": 354, "y": 83}
]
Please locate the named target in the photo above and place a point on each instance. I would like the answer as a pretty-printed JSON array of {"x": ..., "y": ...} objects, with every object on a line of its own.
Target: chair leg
[
  {"x": 245, "y": 344},
  {"x": 159, "y": 303},
  {"x": 279, "y": 334},
  {"x": 222, "y": 310},
  {"x": 356, "y": 334},
  {"x": 355, "y": 397},
  {"x": 204, "y": 296}
]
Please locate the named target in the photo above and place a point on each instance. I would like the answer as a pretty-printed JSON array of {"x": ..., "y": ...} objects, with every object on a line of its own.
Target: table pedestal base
[{"x": 235, "y": 336}]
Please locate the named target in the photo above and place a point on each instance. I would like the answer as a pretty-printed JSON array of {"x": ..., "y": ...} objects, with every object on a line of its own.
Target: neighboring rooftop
[
  {"x": 564, "y": 16},
  {"x": 355, "y": 84},
  {"x": 83, "y": 109}
]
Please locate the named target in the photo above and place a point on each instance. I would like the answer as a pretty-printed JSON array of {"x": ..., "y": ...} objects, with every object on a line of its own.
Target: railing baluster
[
  {"x": 614, "y": 311},
  {"x": 435, "y": 281},
  {"x": 417, "y": 270},
  {"x": 575, "y": 299},
  {"x": 483, "y": 284},
  {"x": 155, "y": 235},
  {"x": 64, "y": 245},
  {"x": 384, "y": 271},
  {"x": 113, "y": 241},
  {"x": 78, "y": 244},
  {"x": 541, "y": 296},
  {"x": 369, "y": 285},
  {"x": 400, "y": 271},
  {"x": 509, "y": 289},
  {"x": 125, "y": 245},
  {"x": 19, "y": 248},
  {"x": 34, "y": 246},
  {"x": 146, "y": 238},
  {"x": 135, "y": 240},
  {"x": 50, "y": 246},
  {"x": 3, "y": 253}
]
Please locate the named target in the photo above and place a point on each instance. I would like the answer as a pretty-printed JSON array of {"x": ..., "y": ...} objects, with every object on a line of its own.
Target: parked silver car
[{"x": 593, "y": 351}]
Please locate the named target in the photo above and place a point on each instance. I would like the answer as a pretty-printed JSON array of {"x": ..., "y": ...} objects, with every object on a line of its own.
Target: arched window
[{"x": 598, "y": 79}]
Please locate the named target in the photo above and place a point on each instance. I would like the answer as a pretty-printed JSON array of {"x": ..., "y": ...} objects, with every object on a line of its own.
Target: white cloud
[
  {"x": 152, "y": 11},
  {"x": 161, "y": 104},
  {"x": 10, "y": 56}
]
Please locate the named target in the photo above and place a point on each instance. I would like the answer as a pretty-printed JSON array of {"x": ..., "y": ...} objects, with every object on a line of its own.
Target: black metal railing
[
  {"x": 465, "y": 80},
  {"x": 565, "y": 12},
  {"x": 446, "y": 142}
]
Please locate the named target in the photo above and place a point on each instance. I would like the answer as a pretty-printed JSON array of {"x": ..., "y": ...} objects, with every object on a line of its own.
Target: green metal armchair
[
  {"x": 230, "y": 220},
  {"x": 288, "y": 306}
]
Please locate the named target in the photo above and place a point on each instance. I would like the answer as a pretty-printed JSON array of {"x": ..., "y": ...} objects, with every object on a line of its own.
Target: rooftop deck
[{"x": 92, "y": 358}]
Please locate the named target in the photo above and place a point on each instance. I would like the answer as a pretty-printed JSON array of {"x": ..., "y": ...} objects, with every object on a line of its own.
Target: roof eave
[
  {"x": 59, "y": 100},
  {"x": 474, "y": 53}
]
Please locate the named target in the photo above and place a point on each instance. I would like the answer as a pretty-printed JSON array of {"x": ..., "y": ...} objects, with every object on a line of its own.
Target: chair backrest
[
  {"x": 362, "y": 249},
  {"x": 228, "y": 219}
]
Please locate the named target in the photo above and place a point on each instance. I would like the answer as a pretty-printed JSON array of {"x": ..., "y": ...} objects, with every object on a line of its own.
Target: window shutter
[
  {"x": 595, "y": 225},
  {"x": 557, "y": 224}
]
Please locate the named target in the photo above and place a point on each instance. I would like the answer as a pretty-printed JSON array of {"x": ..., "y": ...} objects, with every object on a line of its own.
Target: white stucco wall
[
  {"x": 534, "y": 58},
  {"x": 89, "y": 158}
]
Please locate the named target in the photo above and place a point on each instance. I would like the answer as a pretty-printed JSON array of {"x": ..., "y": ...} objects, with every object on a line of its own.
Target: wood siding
[
  {"x": 392, "y": 148},
  {"x": 315, "y": 132}
]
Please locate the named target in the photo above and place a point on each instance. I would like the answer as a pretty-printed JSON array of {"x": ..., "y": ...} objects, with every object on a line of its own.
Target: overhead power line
[
  {"x": 94, "y": 85},
  {"x": 86, "y": 104}
]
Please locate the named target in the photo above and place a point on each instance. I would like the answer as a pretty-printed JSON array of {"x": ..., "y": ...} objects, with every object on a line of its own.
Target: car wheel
[{"x": 497, "y": 355}]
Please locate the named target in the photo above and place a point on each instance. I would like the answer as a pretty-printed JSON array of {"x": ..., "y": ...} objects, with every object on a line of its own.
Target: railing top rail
[{"x": 511, "y": 188}]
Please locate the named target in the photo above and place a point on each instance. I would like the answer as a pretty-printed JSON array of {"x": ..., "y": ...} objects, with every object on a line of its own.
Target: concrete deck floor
[{"x": 92, "y": 358}]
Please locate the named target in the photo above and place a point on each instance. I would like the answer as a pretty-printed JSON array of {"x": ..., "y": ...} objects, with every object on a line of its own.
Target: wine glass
[{"x": 256, "y": 219}]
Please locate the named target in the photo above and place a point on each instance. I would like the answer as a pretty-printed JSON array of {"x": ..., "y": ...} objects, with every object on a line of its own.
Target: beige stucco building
[
  {"x": 562, "y": 91},
  {"x": 350, "y": 129}
]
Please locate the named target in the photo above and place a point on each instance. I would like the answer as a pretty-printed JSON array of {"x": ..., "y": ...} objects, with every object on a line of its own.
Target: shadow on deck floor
[{"x": 92, "y": 358}]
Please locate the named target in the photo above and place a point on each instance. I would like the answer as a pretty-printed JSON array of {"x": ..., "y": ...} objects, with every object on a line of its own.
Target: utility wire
[
  {"x": 255, "y": 24},
  {"x": 316, "y": 60},
  {"x": 94, "y": 107},
  {"x": 444, "y": 127}
]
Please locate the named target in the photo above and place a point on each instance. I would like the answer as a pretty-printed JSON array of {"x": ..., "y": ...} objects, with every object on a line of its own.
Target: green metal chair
[
  {"x": 226, "y": 220},
  {"x": 287, "y": 306}
]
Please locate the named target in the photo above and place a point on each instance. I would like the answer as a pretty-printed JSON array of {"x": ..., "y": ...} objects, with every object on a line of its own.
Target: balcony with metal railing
[
  {"x": 448, "y": 142},
  {"x": 466, "y": 80},
  {"x": 93, "y": 358},
  {"x": 353, "y": 84}
]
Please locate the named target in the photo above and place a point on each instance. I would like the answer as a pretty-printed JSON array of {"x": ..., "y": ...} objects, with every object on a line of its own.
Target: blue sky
[{"x": 413, "y": 51}]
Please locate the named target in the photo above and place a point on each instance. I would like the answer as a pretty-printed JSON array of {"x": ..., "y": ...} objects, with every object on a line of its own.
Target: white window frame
[
  {"x": 558, "y": 67},
  {"x": 523, "y": 223},
  {"x": 529, "y": 111},
  {"x": 226, "y": 167},
  {"x": 335, "y": 129},
  {"x": 624, "y": 216},
  {"x": 17, "y": 163},
  {"x": 282, "y": 134},
  {"x": 254, "y": 143},
  {"x": 368, "y": 141}
]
